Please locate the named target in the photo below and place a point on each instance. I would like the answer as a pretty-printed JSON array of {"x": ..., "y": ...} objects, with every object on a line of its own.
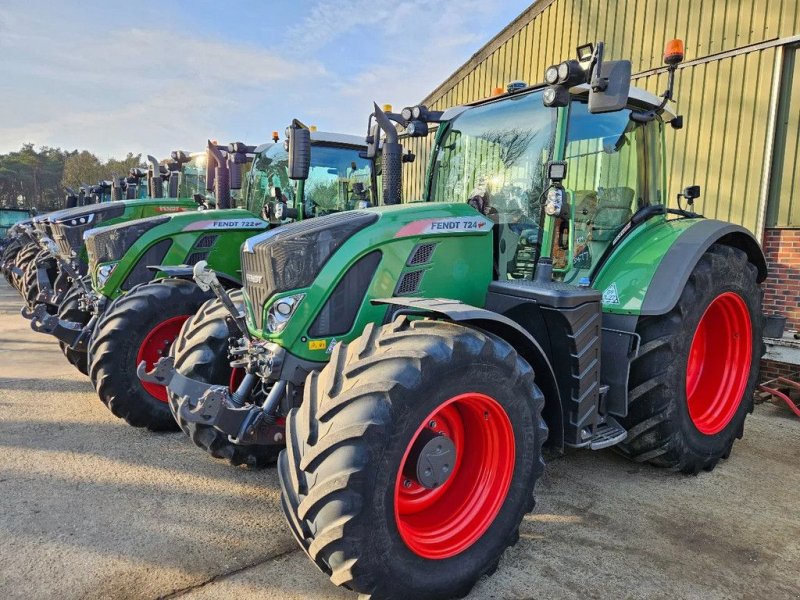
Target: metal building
[
  {"x": 741, "y": 137},
  {"x": 738, "y": 90}
]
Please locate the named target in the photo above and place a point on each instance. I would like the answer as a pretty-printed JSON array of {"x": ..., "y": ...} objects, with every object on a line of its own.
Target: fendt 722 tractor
[
  {"x": 141, "y": 272},
  {"x": 545, "y": 290}
]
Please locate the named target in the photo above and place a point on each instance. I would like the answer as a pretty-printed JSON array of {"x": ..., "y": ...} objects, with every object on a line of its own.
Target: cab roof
[{"x": 637, "y": 95}]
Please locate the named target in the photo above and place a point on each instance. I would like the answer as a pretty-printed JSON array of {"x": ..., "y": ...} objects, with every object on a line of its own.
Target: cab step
[{"x": 608, "y": 434}]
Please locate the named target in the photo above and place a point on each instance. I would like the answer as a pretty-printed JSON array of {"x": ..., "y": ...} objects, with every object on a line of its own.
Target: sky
[{"x": 151, "y": 77}]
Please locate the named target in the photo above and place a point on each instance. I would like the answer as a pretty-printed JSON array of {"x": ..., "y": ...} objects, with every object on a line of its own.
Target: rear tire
[
  {"x": 70, "y": 311},
  {"x": 672, "y": 421},
  {"x": 201, "y": 353},
  {"x": 344, "y": 491},
  {"x": 146, "y": 319}
]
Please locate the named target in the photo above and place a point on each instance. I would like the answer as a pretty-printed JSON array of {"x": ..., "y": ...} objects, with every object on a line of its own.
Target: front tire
[
  {"x": 347, "y": 488},
  {"x": 691, "y": 387},
  {"x": 70, "y": 311},
  {"x": 30, "y": 280},
  {"x": 201, "y": 353},
  {"x": 141, "y": 325}
]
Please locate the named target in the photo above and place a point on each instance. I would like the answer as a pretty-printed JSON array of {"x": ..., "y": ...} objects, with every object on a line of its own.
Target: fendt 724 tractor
[
  {"x": 545, "y": 290},
  {"x": 141, "y": 272}
]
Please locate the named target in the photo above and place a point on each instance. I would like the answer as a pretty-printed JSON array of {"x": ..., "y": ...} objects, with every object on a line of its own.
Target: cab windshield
[
  {"x": 332, "y": 183},
  {"x": 193, "y": 177},
  {"x": 493, "y": 156}
]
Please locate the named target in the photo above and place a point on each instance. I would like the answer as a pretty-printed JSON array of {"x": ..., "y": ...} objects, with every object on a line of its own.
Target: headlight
[
  {"x": 281, "y": 311},
  {"x": 104, "y": 272},
  {"x": 551, "y": 75}
]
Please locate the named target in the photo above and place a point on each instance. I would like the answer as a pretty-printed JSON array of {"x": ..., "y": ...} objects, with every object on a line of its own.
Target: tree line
[{"x": 37, "y": 178}]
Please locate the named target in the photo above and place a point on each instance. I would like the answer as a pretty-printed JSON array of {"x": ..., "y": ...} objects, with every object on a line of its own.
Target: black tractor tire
[
  {"x": 340, "y": 472},
  {"x": 201, "y": 353},
  {"x": 23, "y": 259},
  {"x": 9, "y": 256},
  {"x": 661, "y": 429},
  {"x": 30, "y": 281},
  {"x": 71, "y": 311},
  {"x": 127, "y": 324}
]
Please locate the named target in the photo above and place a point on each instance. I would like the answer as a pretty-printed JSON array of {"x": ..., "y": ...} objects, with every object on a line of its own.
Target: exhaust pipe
[
  {"x": 221, "y": 176},
  {"x": 391, "y": 160},
  {"x": 155, "y": 185}
]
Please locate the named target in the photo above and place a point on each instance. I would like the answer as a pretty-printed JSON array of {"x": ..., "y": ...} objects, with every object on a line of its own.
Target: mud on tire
[
  {"x": 661, "y": 430},
  {"x": 201, "y": 353},
  {"x": 340, "y": 471}
]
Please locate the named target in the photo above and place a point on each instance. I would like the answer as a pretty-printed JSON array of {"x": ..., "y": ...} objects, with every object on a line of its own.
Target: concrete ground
[{"x": 93, "y": 508}]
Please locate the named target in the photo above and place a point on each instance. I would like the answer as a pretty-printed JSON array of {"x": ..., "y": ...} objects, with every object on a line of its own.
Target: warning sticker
[
  {"x": 610, "y": 295},
  {"x": 317, "y": 344},
  {"x": 446, "y": 225}
]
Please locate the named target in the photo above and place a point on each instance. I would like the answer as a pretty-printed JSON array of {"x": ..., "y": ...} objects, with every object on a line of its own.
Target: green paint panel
[
  {"x": 625, "y": 277},
  {"x": 460, "y": 268}
]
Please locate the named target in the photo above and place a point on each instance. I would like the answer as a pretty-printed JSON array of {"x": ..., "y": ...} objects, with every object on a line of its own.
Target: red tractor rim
[
  {"x": 442, "y": 522},
  {"x": 719, "y": 363},
  {"x": 155, "y": 345}
]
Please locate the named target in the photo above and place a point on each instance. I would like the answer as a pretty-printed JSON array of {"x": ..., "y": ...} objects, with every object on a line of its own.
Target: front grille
[
  {"x": 67, "y": 229},
  {"x": 292, "y": 256},
  {"x": 110, "y": 243}
]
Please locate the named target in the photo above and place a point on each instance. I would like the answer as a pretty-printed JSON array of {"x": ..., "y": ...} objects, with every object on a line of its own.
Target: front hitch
[
  {"x": 206, "y": 280},
  {"x": 244, "y": 424},
  {"x": 74, "y": 334}
]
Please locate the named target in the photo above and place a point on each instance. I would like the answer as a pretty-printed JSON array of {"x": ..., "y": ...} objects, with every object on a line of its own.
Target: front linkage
[{"x": 245, "y": 423}]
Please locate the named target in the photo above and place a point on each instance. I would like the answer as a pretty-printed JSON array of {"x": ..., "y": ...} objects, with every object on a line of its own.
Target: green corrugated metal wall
[{"x": 726, "y": 100}]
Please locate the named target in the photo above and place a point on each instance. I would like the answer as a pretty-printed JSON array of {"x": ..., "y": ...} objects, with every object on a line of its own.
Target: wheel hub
[{"x": 431, "y": 459}]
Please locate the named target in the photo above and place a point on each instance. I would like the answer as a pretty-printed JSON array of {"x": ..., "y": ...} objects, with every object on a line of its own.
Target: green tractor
[
  {"x": 54, "y": 257},
  {"x": 67, "y": 312},
  {"x": 415, "y": 359},
  {"x": 142, "y": 288}
]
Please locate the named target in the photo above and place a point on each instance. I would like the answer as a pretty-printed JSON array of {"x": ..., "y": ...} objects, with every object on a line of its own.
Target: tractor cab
[
  {"x": 495, "y": 156},
  {"x": 338, "y": 179}
]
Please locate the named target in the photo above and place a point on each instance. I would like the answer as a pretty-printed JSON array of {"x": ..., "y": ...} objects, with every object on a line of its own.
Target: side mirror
[
  {"x": 298, "y": 142},
  {"x": 611, "y": 87},
  {"x": 692, "y": 192}
]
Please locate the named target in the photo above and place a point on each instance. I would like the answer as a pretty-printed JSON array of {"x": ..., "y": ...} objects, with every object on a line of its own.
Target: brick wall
[
  {"x": 782, "y": 287},
  {"x": 771, "y": 369}
]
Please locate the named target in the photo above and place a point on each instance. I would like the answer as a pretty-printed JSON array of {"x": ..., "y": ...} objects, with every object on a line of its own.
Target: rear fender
[
  {"x": 647, "y": 272},
  {"x": 522, "y": 341}
]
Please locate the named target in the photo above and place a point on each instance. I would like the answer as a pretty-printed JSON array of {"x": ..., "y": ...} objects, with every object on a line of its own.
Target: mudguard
[
  {"x": 647, "y": 271},
  {"x": 673, "y": 272},
  {"x": 510, "y": 331}
]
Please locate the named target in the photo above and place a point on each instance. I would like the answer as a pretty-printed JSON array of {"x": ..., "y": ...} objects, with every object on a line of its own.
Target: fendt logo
[
  {"x": 448, "y": 225},
  {"x": 254, "y": 279}
]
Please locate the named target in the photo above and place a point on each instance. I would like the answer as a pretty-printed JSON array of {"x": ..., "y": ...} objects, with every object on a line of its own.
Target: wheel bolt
[
  {"x": 406, "y": 483},
  {"x": 432, "y": 424}
]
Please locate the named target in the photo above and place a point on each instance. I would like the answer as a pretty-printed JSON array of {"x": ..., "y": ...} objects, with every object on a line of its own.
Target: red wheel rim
[
  {"x": 719, "y": 363},
  {"x": 442, "y": 522},
  {"x": 155, "y": 345}
]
